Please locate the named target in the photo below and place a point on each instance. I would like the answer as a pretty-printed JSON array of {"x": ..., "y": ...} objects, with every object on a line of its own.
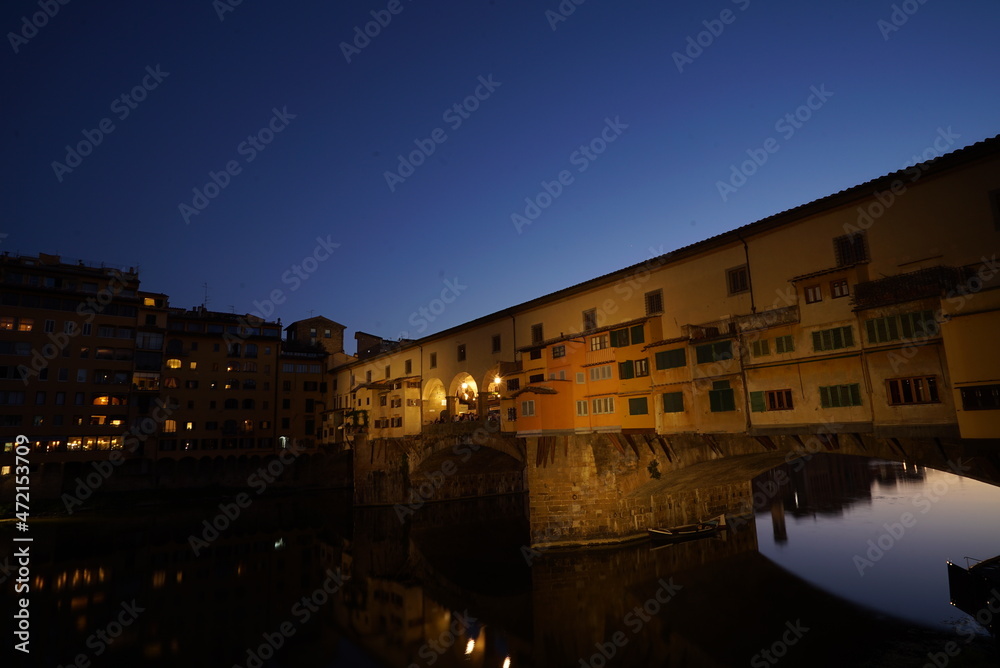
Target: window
[
  {"x": 626, "y": 369},
  {"x": 535, "y": 354},
  {"x": 902, "y": 326},
  {"x": 837, "y": 396},
  {"x": 641, "y": 367},
  {"x": 386, "y": 371},
  {"x": 839, "y": 288},
  {"x": 673, "y": 402},
  {"x": 721, "y": 398},
  {"x": 169, "y": 426},
  {"x": 7, "y": 322},
  {"x": 603, "y": 405},
  {"x": 784, "y": 344},
  {"x": 919, "y": 390},
  {"x": 50, "y": 325},
  {"x": 771, "y": 400},
  {"x": 495, "y": 345},
  {"x": 511, "y": 414},
  {"x": 654, "y": 302},
  {"x": 589, "y": 321},
  {"x": 638, "y": 406},
  {"x": 602, "y": 372},
  {"x": 558, "y": 351},
  {"x": 627, "y": 336},
  {"x": 813, "y": 293},
  {"x": 433, "y": 362},
  {"x": 286, "y": 404},
  {"x": 760, "y": 348},
  {"x": 714, "y": 352},
  {"x": 581, "y": 378},
  {"x": 25, "y": 325},
  {"x": 407, "y": 369},
  {"x": 671, "y": 359},
  {"x": 461, "y": 352},
  {"x": 980, "y": 397},
  {"x": 536, "y": 378},
  {"x": 382, "y": 400},
  {"x": 368, "y": 376},
  {"x": 581, "y": 408},
  {"x": 536, "y": 334},
  {"x": 513, "y": 384},
  {"x": 850, "y": 249},
  {"x": 737, "y": 280},
  {"x": 81, "y": 375},
  {"x": 833, "y": 339},
  {"x": 171, "y": 363},
  {"x": 528, "y": 408},
  {"x": 599, "y": 342}
]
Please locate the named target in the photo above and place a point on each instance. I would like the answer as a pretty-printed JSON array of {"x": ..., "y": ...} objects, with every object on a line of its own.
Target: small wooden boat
[
  {"x": 974, "y": 589},
  {"x": 684, "y": 531}
]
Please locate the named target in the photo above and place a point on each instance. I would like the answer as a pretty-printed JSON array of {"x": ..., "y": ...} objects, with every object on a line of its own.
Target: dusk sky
[{"x": 266, "y": 90}]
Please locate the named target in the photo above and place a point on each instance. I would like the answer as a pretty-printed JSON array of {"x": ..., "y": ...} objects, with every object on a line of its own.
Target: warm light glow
[
  {"x": 497, "y": 380},
  {"x": 506, "y": 662},
  {"x": 471, "y": 645},
  {"x": 465, "y": 386}
]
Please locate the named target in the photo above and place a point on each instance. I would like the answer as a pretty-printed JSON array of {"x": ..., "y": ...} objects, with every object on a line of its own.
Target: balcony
[
  {"x": 717, "y": 329},
  {"x": 602, "y": 356},
  {"x": 912, "y": 286},
  {"x": 787, "y": 315}
]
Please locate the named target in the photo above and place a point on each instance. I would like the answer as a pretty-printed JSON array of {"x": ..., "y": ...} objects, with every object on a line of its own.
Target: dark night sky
[{"x": 654, "y": 187}]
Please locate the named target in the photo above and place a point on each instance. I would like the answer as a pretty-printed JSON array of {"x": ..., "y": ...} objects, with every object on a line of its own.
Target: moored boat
[{"x": 684, "y": 531}]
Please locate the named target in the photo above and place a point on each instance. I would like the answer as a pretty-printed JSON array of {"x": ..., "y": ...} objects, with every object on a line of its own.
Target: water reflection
[{"x": 303, "y": 580}]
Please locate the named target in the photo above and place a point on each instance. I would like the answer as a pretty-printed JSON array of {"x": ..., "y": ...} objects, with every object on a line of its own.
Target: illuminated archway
[
  {"x": 463, "y": 393},
  {"x": 434, "y": 400}
]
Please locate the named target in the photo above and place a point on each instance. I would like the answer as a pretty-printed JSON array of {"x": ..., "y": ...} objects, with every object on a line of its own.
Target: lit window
[
  {"x": 169, "y": 426},
  {"x": 599, "y": 342},
  {"x": 171, "y": 363},
  {"x": 193, "y": 365}
]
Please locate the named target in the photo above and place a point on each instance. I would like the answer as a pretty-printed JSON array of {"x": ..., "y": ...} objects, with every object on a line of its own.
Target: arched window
[{"x": 232, "y": 404}]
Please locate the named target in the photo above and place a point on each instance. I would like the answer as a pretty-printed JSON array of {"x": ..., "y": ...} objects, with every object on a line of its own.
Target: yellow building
[{"x": 872, "y": 311}]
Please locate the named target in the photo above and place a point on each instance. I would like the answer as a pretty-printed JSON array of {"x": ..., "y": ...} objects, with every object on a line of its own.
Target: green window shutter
[
  {"x": 703, "y": 354},
  {"x": 679, "y": 357},
  {"x": 848, "y": 336},
  {"x": 724, "y": 350},
  {"x": 638, "y": 336},
  {"x": 638, "y": 406},
  {"x": 892, "y": 325},
  {"x": 673, "y": 402},
  {"x": 728, "y": 400},
  {"x": 619, "y": 338},
  {"x": 855, "y": 391},
  {"x": 824, "y": 397},
  {"x": 870, "y": 328},
  {"x": 817, "y": 341},
  {"x": 714, "y": 404},
  {"x": 660, "y": 360},
  {"x": 757, "y": 404},
  {"x": 613, "y": 338},
  {"x": 626, "y": 369}
]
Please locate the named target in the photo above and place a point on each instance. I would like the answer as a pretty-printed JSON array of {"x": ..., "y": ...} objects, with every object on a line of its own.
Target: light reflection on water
[{"x": 916, "y": 519}]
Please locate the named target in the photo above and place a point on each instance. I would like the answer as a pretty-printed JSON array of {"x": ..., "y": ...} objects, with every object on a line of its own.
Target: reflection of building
[{"x": 842, "y": 310}]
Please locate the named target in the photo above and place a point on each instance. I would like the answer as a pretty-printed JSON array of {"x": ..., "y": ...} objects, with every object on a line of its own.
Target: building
[{"x": 870, "y": 311}]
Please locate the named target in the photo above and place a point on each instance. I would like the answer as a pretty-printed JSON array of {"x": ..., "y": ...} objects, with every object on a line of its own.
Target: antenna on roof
[{"x": 205, "y": 302}]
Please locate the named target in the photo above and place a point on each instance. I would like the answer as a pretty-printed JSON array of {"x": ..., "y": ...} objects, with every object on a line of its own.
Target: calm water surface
[{"x": 304, "y": 580}]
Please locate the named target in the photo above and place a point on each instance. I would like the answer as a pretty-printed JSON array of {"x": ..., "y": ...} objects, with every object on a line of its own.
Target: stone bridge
[{"x": 591, "y": 489}]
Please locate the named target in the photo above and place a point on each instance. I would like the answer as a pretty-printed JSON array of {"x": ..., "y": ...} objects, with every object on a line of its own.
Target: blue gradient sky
[{"x": 323, "y": 175}]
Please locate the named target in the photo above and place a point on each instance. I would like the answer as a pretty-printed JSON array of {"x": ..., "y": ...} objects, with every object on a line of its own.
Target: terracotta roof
[
  {"x": 534, "y": 389},
  {"x": 589, "y": 332},
  {"x": 664, "y": 342}
]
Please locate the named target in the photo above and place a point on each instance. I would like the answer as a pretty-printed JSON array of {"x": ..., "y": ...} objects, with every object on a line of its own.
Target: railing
[
  {"x": 771, "y": 318},
  {"x": 600, "y": 356}
]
